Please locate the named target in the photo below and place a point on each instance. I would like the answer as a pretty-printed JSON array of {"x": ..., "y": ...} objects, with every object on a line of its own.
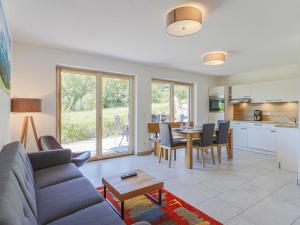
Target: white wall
[
  {"x": 4, "y": 111},
  {"x": 34, "y": 76},
  {"x": 299, "y": 108},
  {"x": 4, "y": 118},
  {"x": 268, "y": 74}
]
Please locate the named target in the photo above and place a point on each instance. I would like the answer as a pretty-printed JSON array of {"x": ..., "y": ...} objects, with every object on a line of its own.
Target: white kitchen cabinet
[
  {"x": 261, "y": 92},
  {"x": 262, "y": 138},
  {"x": 240, "y": 136},
  {"x": 240, "y": 91},
  {"x": 212, "y": 91},
  {"x": 285, "y": 90},
  {"x": 288, "y": 148}
]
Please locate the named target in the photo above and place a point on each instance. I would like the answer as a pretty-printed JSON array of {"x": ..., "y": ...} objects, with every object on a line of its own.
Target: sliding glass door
[
  {"x": 94, "y": 112},
  {"x": 115, "y": 115}
]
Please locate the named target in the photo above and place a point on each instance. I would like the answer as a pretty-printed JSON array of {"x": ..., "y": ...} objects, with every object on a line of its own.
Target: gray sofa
[{"x": 45, "y": 188}]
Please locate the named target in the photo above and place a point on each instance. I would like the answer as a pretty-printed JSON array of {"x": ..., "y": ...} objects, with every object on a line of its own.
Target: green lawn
[{"x": 77, "y": 126}]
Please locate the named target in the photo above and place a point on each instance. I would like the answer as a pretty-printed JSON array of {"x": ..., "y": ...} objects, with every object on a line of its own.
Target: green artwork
[{"x": 5, "y": 54}]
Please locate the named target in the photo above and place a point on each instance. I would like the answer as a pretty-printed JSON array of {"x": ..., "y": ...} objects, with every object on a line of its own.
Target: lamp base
[{"x": 24, "y": 133}]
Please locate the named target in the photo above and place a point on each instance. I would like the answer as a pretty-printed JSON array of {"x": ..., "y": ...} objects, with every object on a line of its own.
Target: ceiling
[{"x": 256, "y": 34}]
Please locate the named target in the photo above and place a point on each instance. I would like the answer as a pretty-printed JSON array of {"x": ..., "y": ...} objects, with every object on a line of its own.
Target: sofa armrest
[
  {"x": 142, "y": 223},
  {"x": 42, "y": 160}
]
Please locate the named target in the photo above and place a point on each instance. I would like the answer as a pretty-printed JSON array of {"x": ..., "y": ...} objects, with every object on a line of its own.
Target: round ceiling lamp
[
  {"x": 184, "y": 21},
  {"x": 214, "y": 58}
]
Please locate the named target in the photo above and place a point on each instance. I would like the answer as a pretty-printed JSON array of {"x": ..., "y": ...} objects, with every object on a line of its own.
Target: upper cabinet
[
  {"x": 261, "y": 92},
  {"x": 274, "y": 91},
  {"x": 240, "y": 91},
  {"x": 285, "y": 90}
]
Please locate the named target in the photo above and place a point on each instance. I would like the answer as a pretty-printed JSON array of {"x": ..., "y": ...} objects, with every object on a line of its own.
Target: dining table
[{"x": 191, "y": 133}]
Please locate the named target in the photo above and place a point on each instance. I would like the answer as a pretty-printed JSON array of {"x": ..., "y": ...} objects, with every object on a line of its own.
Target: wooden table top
[{"x": 131, "y": 187}]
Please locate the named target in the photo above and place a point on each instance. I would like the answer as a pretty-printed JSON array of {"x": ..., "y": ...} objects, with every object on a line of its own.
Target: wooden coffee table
[{"x": 132, "y": 187}]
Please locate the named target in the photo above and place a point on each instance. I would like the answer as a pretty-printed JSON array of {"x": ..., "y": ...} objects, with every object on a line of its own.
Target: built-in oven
[{"x": 217, "y": 103}]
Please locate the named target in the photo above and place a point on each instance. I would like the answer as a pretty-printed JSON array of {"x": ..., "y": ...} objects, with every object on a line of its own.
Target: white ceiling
[{"x": 256, "y": 34}]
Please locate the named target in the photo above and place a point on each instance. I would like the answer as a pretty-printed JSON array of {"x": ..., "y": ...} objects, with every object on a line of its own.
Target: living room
[{"x": 196, "y": 100}]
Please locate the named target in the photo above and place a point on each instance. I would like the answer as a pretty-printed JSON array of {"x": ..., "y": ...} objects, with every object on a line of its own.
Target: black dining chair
[
  {"x": 221, "y": 139},
  {"x": 167, "y": 141},
  {"x": 223, "y": 121},
  {"x": 205, "y": 142}
]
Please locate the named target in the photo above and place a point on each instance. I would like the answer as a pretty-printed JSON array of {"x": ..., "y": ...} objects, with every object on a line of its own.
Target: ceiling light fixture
[
  {"x": 214, "y": 58},
  {"x": 184, "y": 21}
]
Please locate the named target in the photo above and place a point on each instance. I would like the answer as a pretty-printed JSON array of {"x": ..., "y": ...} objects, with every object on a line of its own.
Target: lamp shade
[
  {"x": 23, "y": 105},
  {"x": 184, "y": 21},
  {"x": 214, "y": 58}
]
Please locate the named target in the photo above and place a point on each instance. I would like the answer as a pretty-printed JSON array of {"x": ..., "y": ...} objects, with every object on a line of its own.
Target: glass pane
[
  {"x": 181, "y": 103},
  {"x": 115, "y": 115},
  {"x": 160, "y": 102},
  {"x": 78, "y": 107}
]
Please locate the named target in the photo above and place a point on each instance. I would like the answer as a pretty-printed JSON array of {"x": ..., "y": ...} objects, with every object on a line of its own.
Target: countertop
[{"x": 276, "y": 123}]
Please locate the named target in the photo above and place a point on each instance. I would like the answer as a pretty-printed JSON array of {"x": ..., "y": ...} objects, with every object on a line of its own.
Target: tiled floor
[{"x": 250, "y": 190}]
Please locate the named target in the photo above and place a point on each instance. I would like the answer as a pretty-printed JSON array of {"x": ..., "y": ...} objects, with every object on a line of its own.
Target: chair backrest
[
  {"x": 166, "y": 134},
  {"x": 223, "y": 121},
  {"x": 47, "y": 143},
  {"x": 118, "y": 123},
  {"x": 222, "y": 136},
  {"x": 207, "y": 134}
]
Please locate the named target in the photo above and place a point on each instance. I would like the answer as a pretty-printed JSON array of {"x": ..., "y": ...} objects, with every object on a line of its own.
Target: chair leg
[
  {"x": 228, "y": 153},
  {"x": 160, "y": 154},
  {"x": 198, "y": 154},
  {"x": 121, "y": 140},
  {"x": 174, "y": 154},
  {"x": 219, "y": 153},
  {"x": 212, "y": 155},
  {"x": 202, "y": 157},
  {"x": 170, "y": 159}
]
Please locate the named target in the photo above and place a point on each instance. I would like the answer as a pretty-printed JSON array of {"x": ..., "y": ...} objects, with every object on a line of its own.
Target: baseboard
[{"x": 147, "y": 152}]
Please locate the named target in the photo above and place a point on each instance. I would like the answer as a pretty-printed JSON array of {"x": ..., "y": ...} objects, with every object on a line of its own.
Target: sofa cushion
[
  {"x": 56, "y": 174},
  {"x": 14, "y": 158},
  {"x": 14, "y": 208},
  {"x": 60, "y": 200},
  {"x": 100, "y": 214}
]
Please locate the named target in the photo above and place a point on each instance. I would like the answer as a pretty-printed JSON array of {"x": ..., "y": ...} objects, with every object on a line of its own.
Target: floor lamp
[{"x": 27, "y": 105}]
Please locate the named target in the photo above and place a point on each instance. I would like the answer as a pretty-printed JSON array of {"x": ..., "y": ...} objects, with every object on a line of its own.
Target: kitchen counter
[{"x": 276, "y": 123}]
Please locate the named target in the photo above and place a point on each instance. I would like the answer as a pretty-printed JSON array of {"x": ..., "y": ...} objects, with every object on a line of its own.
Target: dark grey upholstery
[
  {"x": 42, "y": 160},
  {"x": 207, "y": 135},
  {"x": 47, "y": 143},
  {"x": 63, "y": 199},
  {"x": 53, "y": 190},
  {"x": 91, "y": 216},
  {"x": 56, "y": 174},
  {"x": 222, "y": 134},
  {"x": 166, "y": 137}
]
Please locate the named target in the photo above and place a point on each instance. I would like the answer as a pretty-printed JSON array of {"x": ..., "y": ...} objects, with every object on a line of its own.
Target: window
[{"x": 171, "y": 101}]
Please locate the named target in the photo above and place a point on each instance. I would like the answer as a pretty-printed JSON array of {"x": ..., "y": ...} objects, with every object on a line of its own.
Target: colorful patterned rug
[{"x": 173, "y": 210}]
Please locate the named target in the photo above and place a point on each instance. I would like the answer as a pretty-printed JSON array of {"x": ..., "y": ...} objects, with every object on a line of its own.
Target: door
[
  {"x": 77, "y": 105},
  {"x": 240, "y": 136},
  {"x": 262, "y": 138},
  {"x": 116, "y": 116},
  {"x": 95, "y": 112}
]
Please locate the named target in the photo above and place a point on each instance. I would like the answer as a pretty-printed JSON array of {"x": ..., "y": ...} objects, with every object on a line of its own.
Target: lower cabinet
[
  {"x": 240, "y": 136},
  {"x": 262, "y": 138},
  {"x": 288, "y": 148}
]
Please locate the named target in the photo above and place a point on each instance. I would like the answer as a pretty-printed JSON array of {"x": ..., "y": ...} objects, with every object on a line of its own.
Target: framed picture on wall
[{"x": 5, "y": 54}]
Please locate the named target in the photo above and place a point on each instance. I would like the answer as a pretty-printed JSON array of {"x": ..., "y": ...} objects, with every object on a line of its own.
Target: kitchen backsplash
[{"x": 277, "y": 112}]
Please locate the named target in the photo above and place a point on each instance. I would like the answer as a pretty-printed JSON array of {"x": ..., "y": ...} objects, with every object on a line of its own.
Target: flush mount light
[
  {"x": 184, "y": 21},
  {"x": 214, "y": 58}
]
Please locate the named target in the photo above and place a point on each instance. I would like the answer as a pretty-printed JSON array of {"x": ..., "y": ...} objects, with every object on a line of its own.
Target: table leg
[
  {"x": 122, "y": 210},
  {"x": 166, "y": 157},
  {"x": 189, "y": 151},
  {"x": 157, "y": 201},
  {"x": 156, "y": 147},
  {"x": 104, "y": 191}
]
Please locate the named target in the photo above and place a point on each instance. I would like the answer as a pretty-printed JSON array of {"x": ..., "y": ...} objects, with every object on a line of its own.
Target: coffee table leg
[
  {"x": 157, "y": 201},
  {"x": 122, "y": 210},
  {"x": 104, "y": 191},
  {"x": 159, "y": 196}
]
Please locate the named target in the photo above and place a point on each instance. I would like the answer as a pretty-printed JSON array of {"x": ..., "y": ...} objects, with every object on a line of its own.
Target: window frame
[{"x": 172, "y": 95}]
